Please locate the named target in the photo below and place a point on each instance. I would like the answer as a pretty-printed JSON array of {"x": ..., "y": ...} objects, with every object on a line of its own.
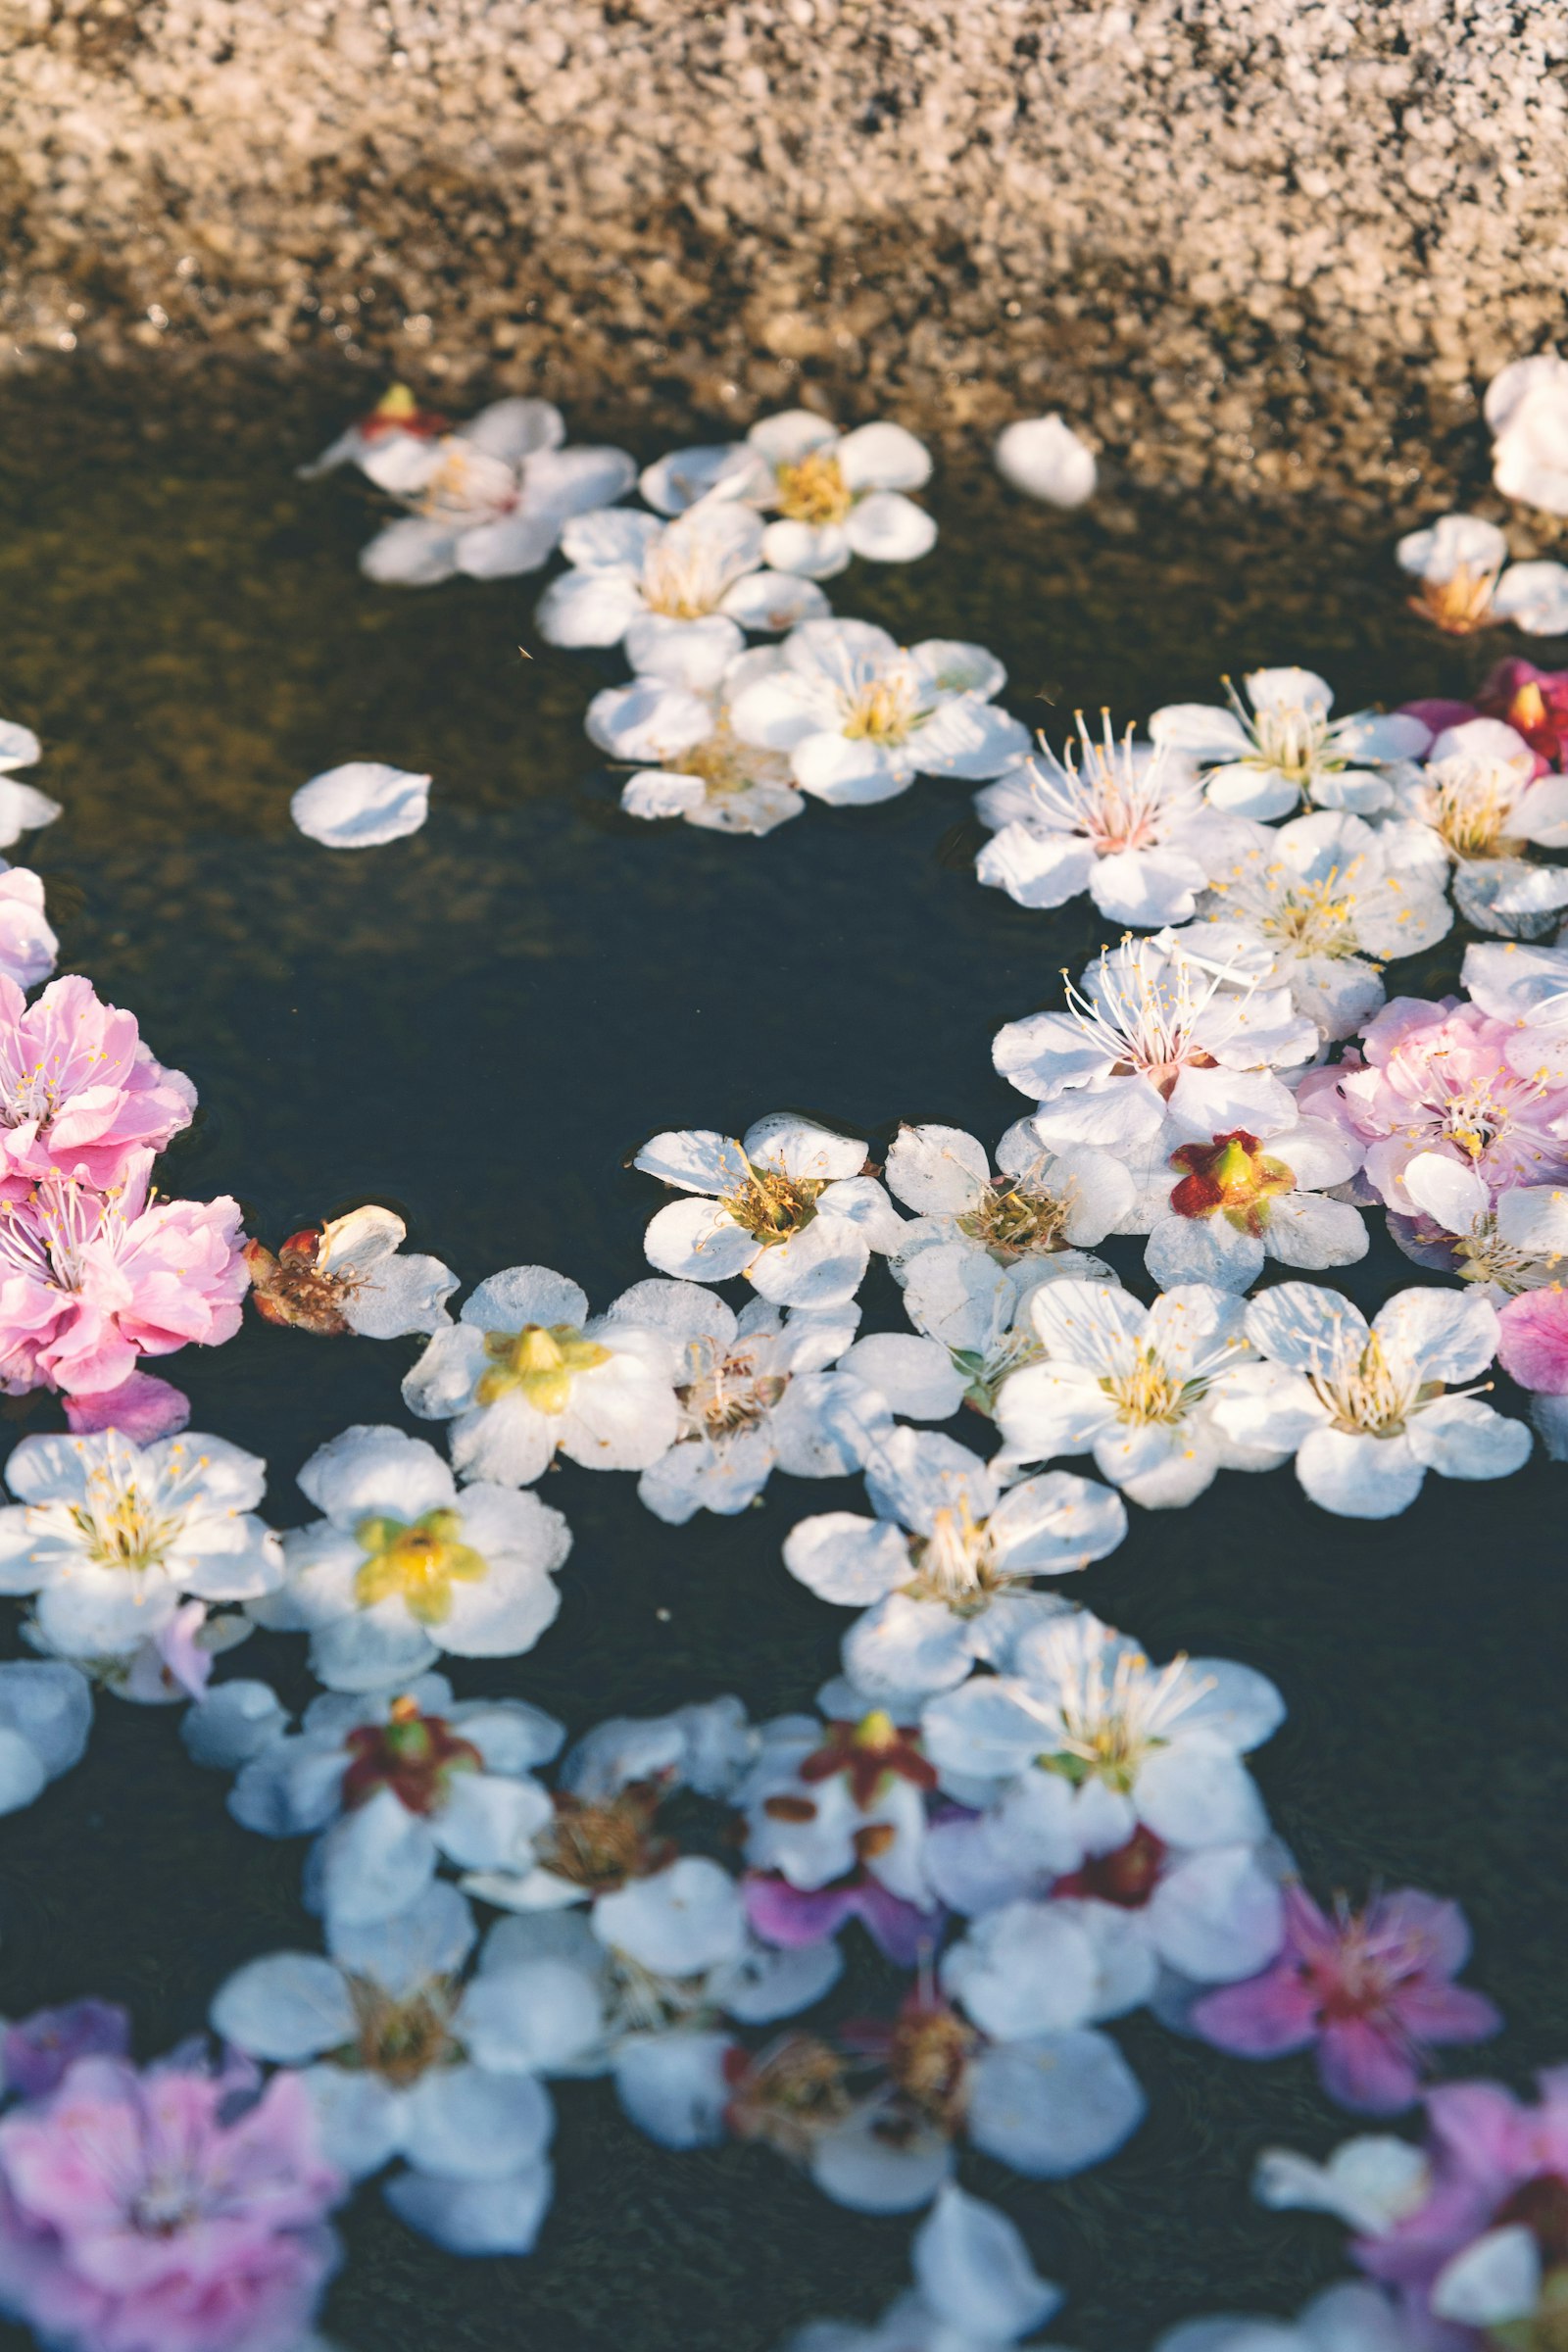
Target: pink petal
[
  {"x": 142, "y": 1407},
  {"x": 1263, "y": 2017},
  {"x": 1365, "y": 2070}
]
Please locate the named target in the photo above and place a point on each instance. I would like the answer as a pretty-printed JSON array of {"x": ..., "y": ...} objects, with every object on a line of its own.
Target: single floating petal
[
  {"x": 1044, "y": 458},
  {"x": 361, "y": 804}
]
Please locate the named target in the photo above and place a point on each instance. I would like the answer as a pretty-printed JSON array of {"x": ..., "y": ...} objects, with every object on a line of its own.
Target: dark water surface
[{"x": 478, "y": 1025}]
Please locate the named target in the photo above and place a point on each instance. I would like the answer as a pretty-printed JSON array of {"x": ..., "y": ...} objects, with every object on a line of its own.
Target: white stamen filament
[{"x": 1118, "y": 800}]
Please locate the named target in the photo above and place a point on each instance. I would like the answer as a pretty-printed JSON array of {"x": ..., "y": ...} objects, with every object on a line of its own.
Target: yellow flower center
[
  {"x": 885, "y": 711},
  {"x": 1316, "y": 918},
  {"x": 1460, "y": 603},
  {"x": 539, "y": 1361},
  {"x": 813, "y": 489},
  {"x": 774, "y": 1206},
  {"x": 416, "y": 1561},
  {"x": 1149, "y": 1391},
  {"x": 1012, "y": 1223}
]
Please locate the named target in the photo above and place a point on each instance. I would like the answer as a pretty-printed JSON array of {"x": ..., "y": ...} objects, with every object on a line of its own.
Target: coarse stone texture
[{"x": 1267, "y": 243}]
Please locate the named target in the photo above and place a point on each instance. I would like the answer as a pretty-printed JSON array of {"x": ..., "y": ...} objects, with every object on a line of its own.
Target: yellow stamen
[
  {"x": 538, "y": 1362},
  {"x": 416, "y": 1562}
]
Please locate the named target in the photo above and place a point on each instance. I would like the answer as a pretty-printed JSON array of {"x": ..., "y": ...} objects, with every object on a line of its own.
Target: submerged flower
[
  {"x": 396, "y": 1785},
  {"x": 402, "y": 1566},
  {"x": 786, "y": 1204},
  {"x": 1527, "y": 408},
  {"x": 1133, "y": 1386},
  {"x": 1342, "y": 2319},
  {"x": 975, "y": 2286},
  {"x": 489, "y": 500},
  {"x": 1316, "y": 908},
  {"x": 1217, "y": 1207},
  {"x": 28, "y": 948},
  {"x": 90, "y": 1282},
  {"x": 1042, "y": 1207},
  {"x": 525, "y": 1372},
  {"x": 861, "y": 716},
  {"x": 401, "y": 2059},
  {"x": 1533, "y": 703},
  {"x": 174, "y": 2209},
  {"x": 686, "y": 757},
  {"x": 1506, "y": 1243},
  {"x": 680, "y": 594},
  {"x": 1370, "y": 1410},
  {"x": 946, "y": 1570},
  {"x": 110, "y": 1537},
  {"x": 36, "y": 2051},
  {"x": 1280, "y": 747},
  {"x": 1446, "y": 1078},
  {"x": 45, "y": 1716},
  {"x": 397, "y": 414},
  {"x": 1456, "y": 562},
  {"x": 1370, "y": 1991},
  {"x": 1128, "y": 822},
  {"x": 1150, "y": 1034},
  {"x": 836, "y": 495},
  {"x": 754, "y": 1394},
  {"x": 1100, "y": 1743},
  {"x": 350, "y": 1274},
  {"x": 79, "y": 1093},
  {"x": 22, "y": 806}
]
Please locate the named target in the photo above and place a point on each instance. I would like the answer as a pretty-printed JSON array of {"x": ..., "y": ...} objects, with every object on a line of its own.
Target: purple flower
[
  {"x": 35, "y": 2053},
  {"x": 1370, "y": 1991},
  {"x": 789, "y": 1916}
]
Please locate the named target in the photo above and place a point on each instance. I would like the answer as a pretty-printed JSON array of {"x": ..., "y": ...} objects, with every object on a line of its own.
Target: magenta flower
[
  {"x": 79, "y": 1093},
  {"x": 1439, "y": 1078},
  {"x": 1534, "y": 1347},
  {"x": 36, "y": 2050},
  {"x": 170, "y": 2210},
  {"x": 789, "y": 1916},
  {"x": 89, "y": 1282},
  {"x": 1371, "y": 1990}
]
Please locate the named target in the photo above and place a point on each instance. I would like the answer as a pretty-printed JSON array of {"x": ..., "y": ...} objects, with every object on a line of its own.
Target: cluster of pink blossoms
[
  {"x": 96, "y": 1273},
  {"x": 179, "y": 2209}
]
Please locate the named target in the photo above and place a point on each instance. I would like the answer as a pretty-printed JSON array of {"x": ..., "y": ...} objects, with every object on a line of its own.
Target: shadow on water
[{"x": 480, "y": 1024}]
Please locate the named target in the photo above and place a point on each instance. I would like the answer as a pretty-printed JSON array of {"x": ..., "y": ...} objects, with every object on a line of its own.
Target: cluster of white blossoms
[{"x": 1039, "y": 1827}]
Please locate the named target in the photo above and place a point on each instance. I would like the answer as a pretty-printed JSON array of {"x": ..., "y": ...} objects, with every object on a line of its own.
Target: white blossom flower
[
  {"x": 1148, "y": 1034},
  {"x": 861, "y": 716},
  {"x": 679, "y": 594},
  {"x": 1132, "y": 1385},
  {"x": 1528, "y": 988},
  {"x": 687, "y": 760},
  {"x": 1527, "y": 408},
  {"x": 1353, "y": 2318},
  {"x": 975, "y": 2290},
  {"x": 1217, "y": 1207},
  {"x": 402, "y": 1566},
  {"x": 111, "y": 1537},
  {"x": 394, "y": 1786},
  {"x": 945, "y": 1571},
  {"x": 822, "y": 1802},
  {"x": 524, "y": 1372},
  {"x": 351, "y": 1274},
  {"x": 979, "y": 1311},
  {"x": 786, "y": 1206},
  {"x": 1503, "y": 1243},
  {"x": 489, "y": 500},
  {"x": 1086, "y": 1742},
  {"x": 707, "y": 1747},
  {"x": 1457, "y": 561},
  {"x": 1045, "y": 459},
  {"x": 1130, "y": 824},
  {"x": 361, "y": 804},
  {"x": 1369, "y": 1411},
  {"x": 22, "y": 806},
  {"x": 1478, "y": 801},
  {"x": 836, "y": 495},
  {"x": 45, "y": 1716},
  {"x": 1263, "y": 760},
  {"x": 754, "y": 1392},
  {"x": 1040, "y": 1212},
  {"x": 28, "y": 948},
  {"x": 1316, "y": 906},
  {"x": 401, "y": 2060},
  {"x": 397, "y": 414}
]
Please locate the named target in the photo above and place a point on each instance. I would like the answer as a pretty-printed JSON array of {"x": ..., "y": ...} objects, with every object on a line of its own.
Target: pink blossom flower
[
  {"x": 1534, "y": 1347},
  {"x": 142, "y": 2213},
  {"x": 27, "y": 946},
  {"x": 789, "y": 1916},
  {"x": 1371, "y": 1990},
  {"x": 79, "y": 1093},
  {"x": 90, "y": 1281},
  {"x": 1437, "y": 1078}
]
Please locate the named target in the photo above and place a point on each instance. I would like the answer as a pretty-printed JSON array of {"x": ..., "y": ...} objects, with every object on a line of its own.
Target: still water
[{"x": 478, "y": 1025}]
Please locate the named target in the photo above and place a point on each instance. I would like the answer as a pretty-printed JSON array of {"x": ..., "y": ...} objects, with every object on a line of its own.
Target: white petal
[
  {"x": 973, "y": 2269},
  {"x": 1053, "y": 2106},
  {"x": 886, "y": 527},
  {"x": 674, "y": 2087},
  {"x": 474, "y": 2216},
  {"x": 286, "y": 2008},
  {"x": 677, "y": 1922},
  {"x": 1359, "y": 1477},
  {"x": 691, "y": 653},
  {"x": 361, "y": 805},
  {"x": 1462, "y": 1437},
  {"x": 1042, "y": 457},
  {"x": 859, "y": 2167}
]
